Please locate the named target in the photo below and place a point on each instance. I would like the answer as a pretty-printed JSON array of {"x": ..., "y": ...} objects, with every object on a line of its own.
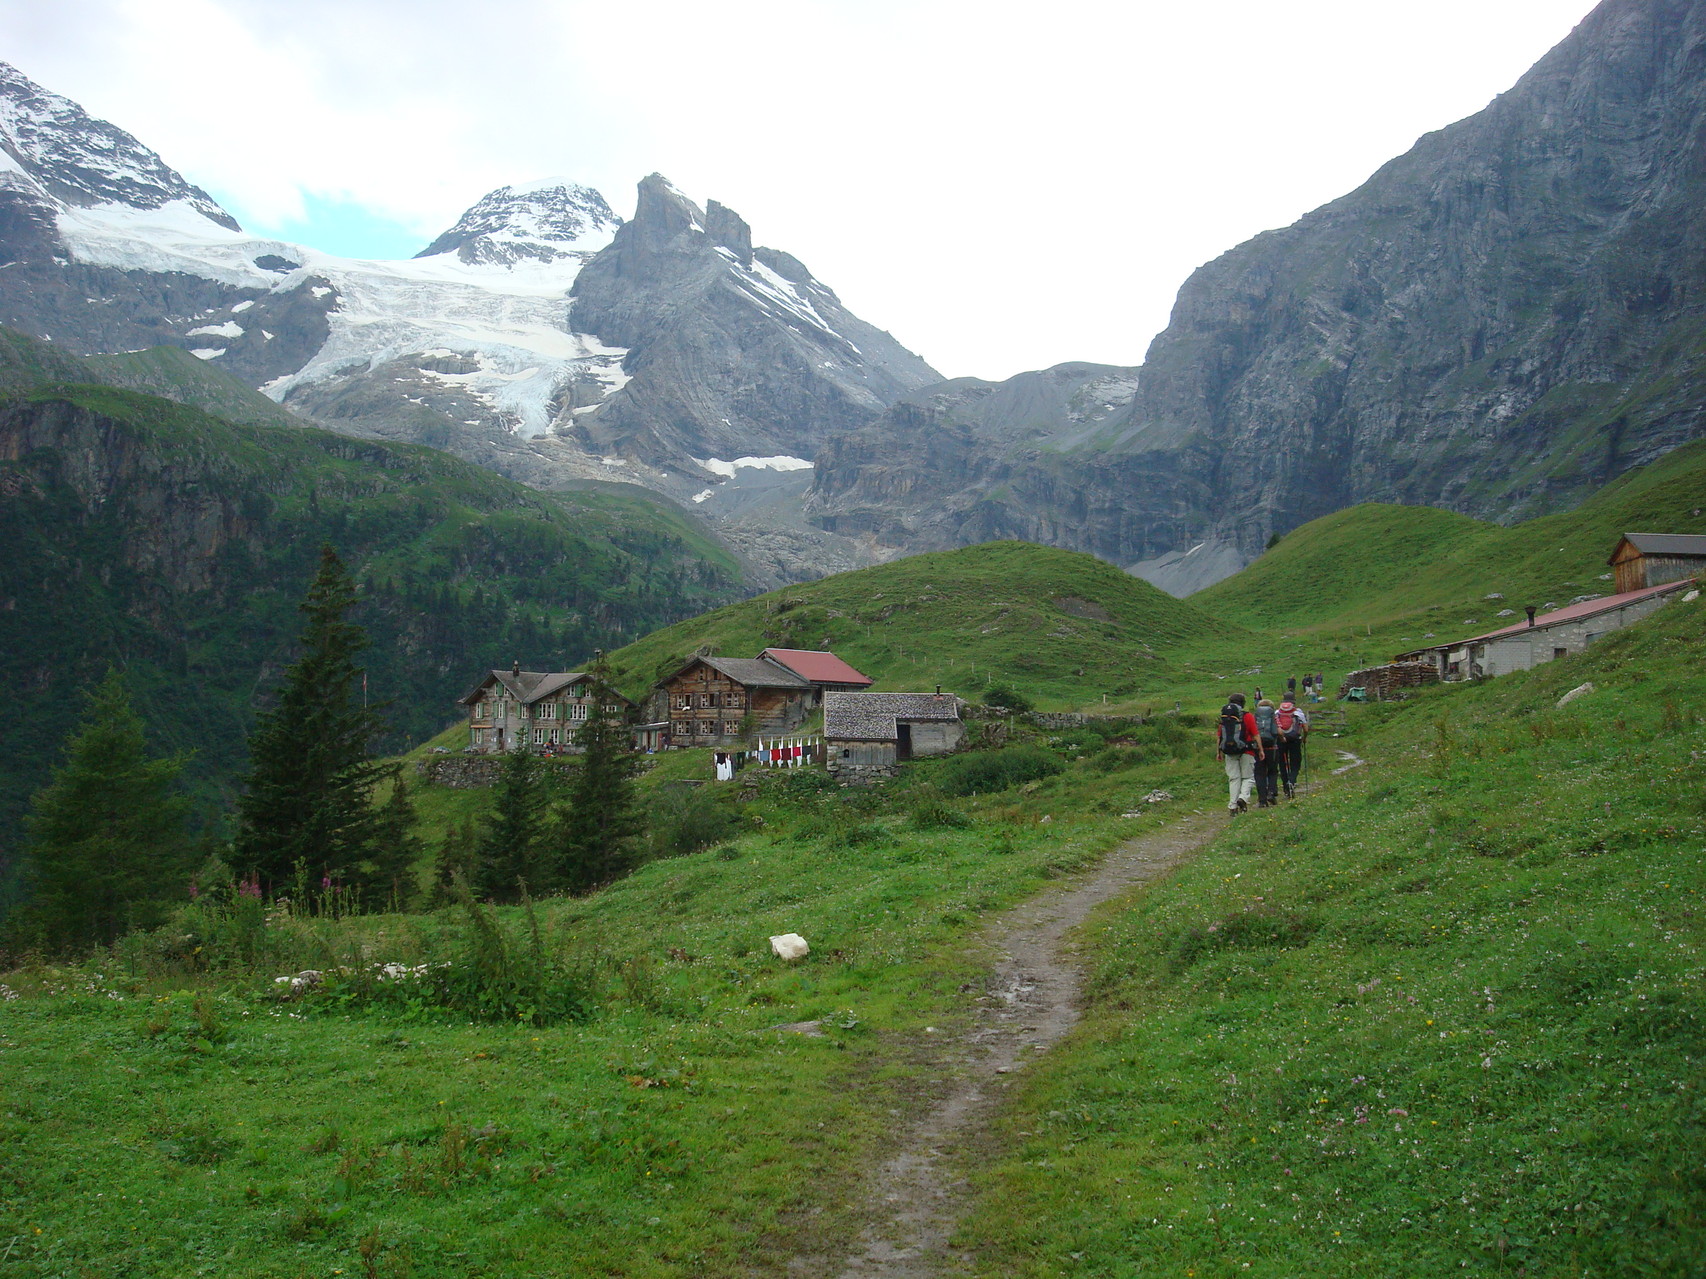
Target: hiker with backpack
[
  {"x": 1291, "y": 728},
  {"x": 1267, "y": 763},
  {"x": 1238, "y": 745}
]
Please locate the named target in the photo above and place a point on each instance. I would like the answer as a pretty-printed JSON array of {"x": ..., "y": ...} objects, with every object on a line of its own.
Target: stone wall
[{"x": 460, "y": 772}]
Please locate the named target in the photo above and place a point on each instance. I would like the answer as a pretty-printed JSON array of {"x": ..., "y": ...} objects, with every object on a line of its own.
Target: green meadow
[{"x": 1442, "y": 1014}]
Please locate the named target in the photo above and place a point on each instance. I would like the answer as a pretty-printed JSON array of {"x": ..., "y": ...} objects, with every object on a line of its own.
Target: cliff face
[
  {"x": 732, "y": 350},
  {"x": 1496, "y": 322}
]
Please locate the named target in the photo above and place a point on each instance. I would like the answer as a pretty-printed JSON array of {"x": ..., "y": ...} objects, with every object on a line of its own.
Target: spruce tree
[
  {"x": 511, "y": 844},
  {"x": 105, "y": 847},
  {"x": 308, "y": 796},
  {"x": 598, "y": 830},
  {"x": 386, "y": 878}
]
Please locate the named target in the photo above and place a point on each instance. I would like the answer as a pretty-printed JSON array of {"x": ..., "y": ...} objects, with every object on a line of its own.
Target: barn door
[{"x": 903, "y": 742}]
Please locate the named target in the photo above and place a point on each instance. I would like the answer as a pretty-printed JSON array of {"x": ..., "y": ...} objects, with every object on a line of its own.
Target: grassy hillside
[
  {"x": 1442, "y": 1017},
  {"x": 1397, "y": 572},
  {"x": 174, "y": 374},
  {"x": 1060, "y": 625},
  {"x": 1441, "y": 1014},
  {"x": 146, "y": 533}
]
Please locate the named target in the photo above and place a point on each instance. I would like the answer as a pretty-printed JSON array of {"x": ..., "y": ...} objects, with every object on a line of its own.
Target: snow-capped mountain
[
  {"x": 61, "y": 153},
  {"x": 498, "y": 342},
  {"x": 543, "y": 221}
]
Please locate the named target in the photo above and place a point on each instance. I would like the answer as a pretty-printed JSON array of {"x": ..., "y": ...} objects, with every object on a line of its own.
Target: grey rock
[
  {"x": 1497, "y": 322},
  {"x": 733, "y": 350}
]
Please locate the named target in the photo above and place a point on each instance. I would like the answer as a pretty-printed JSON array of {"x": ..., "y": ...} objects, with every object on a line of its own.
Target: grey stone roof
[
  {"x": 529, "y": 686},
  {"x": 1668, "y": 543},
  {"x": 755, "y": 672},
  {"x": 874, "y": 717}
]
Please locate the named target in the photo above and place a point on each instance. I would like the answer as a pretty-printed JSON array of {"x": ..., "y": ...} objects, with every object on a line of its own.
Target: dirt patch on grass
[{"x": 914, "y": 1200}]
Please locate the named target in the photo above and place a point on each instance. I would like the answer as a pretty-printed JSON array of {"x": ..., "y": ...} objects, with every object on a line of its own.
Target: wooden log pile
[{"x": 1388, "y": 682}]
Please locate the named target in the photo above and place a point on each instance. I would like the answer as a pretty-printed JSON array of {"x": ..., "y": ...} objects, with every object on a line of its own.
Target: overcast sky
[{"x": 1003, "y": 186}]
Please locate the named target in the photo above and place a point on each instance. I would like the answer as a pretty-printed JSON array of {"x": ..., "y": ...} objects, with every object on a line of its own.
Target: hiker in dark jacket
[
  {"x": 1267, "y": 763},
  {"x": 1291, "y": 728},
  {"x": 1239, "y": 747}
]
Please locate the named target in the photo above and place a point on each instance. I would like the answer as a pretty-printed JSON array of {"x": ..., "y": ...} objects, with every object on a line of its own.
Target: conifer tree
[
  {"x": 308, "y": 798},
  {"x": 598, "y": 829},
  {"x": 454, "y": 863},
  {"x": 511, "y": 848},
  {"x": 105, "y": 847},
  {"x": 387, "y": 876}
]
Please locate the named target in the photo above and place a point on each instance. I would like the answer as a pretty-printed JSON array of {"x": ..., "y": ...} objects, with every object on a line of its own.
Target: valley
[{"x": 302, "y": 974}]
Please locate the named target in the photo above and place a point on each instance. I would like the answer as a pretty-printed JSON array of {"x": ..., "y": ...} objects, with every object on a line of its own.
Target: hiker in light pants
[{"x": 1238, "y": 745}]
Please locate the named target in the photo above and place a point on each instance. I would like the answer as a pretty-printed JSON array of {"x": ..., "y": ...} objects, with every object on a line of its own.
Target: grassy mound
[{"x": 1061, "y": 626}]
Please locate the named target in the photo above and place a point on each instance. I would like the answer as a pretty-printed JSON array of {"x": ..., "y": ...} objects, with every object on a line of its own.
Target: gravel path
[{"x": 915, "y": 1199}]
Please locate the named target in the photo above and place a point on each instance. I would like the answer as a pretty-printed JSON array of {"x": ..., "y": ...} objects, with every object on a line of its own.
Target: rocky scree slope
[
  {"x": 683, "y": 346},
  {"x": 1497, "y": 322}
]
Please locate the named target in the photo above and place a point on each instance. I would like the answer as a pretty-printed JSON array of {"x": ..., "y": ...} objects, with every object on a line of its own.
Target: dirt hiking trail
[{"x": 916, "y": 1198}]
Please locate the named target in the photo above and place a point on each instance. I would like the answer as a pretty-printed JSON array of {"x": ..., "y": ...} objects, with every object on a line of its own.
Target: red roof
[
  {"x": 1587, "y": 608},
  {"x": 1570, "y": 613},
  {"x": 819, "y": 668}
]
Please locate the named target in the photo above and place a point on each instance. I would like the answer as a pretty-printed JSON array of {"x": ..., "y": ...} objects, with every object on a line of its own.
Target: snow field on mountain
[{"x": 514, "y": 320}]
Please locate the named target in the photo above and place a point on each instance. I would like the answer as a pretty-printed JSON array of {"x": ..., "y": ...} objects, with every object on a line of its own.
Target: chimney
[
  {"x": 515, "y": 670},
  {"x": 938, "y": 690},
  {"x": 1530, "y": 611}
]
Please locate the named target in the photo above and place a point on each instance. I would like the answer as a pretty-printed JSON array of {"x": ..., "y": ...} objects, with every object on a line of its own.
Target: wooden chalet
[
  {"x": 541, "y": 710},
  {"x": 708, "y": 700},
  {"x": 1652, "y": 559}
]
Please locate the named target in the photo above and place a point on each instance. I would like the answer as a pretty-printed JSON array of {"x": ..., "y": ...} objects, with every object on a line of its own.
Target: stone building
[
  {"x": 873, "y": 732},
  {"x": 1543, "y": 638},
  {"x": 542, "y": 710}
]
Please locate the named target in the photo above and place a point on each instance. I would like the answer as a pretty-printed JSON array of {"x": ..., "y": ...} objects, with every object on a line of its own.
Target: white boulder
[{"x": 789, "y": 946}]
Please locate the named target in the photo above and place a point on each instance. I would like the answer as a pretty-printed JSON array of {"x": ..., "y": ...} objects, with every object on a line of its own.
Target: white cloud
[{"x": 1002, "y": 185}]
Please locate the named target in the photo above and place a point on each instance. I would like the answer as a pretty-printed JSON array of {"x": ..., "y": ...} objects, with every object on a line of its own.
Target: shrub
[
  {"x": 683, "y": 819},
  {"x": 497, "y": 973},
  {"x": 989, "y": 771},
  {"x": 934, "y": 814},
  {"x": 1008, "y": 696}
]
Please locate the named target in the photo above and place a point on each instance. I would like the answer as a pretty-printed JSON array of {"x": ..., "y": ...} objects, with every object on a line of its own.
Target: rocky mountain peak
[
  {"x": 72, "y": 157},
  {"x": 544, "y": 221}
]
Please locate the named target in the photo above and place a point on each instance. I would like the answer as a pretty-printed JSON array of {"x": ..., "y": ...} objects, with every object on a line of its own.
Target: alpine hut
[
  {"x": 1652, "y": 559},
  {"x": 876, "y": 731}
]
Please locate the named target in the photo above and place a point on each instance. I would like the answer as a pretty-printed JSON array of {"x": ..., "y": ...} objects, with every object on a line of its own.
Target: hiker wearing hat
[
  {"x": 1291, "y": 727},
  {"x": 1238, "y": 745}
]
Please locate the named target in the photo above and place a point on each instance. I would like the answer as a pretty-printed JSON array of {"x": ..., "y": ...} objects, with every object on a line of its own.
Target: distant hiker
[
  {"x": 1308, "y": 685},
  {"x": 1320, "y": 686},
  {"x": 1267, "y": 763},
  {"x": 1291, "y": 727},
  {"x": 1238, "y": 746},
  {"x": 1291, "y": 687}
]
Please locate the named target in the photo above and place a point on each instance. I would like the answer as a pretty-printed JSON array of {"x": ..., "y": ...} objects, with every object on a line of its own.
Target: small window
[
  {"x": 538, "y": 737},
  {"x": 612, "y": 708},
  {"x": 553, "y": 736},
  {"x": 1560, "y": 652},
  {"x": 548, "y": 711},
  {"x": 579, "y": 711},
  {"x": 707, "y": 727}
]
